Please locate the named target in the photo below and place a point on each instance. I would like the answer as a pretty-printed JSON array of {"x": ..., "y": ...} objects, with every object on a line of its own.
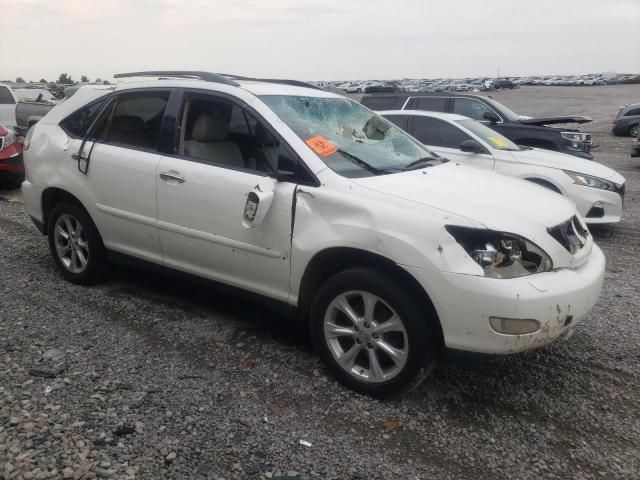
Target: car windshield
[
  {"x": 489, "y": 136},
  {"x": 350, "y": 139},
  {"x": 511, "y": 116}
]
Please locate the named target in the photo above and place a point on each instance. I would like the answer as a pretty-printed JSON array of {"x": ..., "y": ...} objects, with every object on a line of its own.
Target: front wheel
[
  {"x": 75, "y": 244},
  {"x": 372, "y": 335},
  {"x": 633, "y": 130}
]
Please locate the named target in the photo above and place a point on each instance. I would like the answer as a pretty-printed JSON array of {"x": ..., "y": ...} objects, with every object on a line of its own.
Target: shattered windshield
[
  {"x": 493, "y": 138},
  {"x": 350, "y": 139}
]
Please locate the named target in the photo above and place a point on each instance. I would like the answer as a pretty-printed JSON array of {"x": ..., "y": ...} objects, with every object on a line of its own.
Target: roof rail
[
  {"x": 293, "y": 83},
  {"x": 206, "y": 76}
]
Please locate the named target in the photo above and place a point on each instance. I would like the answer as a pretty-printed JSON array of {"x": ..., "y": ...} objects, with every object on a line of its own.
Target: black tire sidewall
[
  {"x": 422, "y": 345},
  {"x": 97, "y": 262}
]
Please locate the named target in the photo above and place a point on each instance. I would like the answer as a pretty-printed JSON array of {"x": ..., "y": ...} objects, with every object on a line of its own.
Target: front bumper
[
  {"x": 595, "y": 205},
  {"x": 11, "y": 161},
  {"x": 557, "y": 300}
]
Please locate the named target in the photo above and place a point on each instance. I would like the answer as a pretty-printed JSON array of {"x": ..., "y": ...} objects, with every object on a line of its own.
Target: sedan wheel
[
  {"x": 633, "y": 131},
  {"x": 366, "y": 337},
  {"x": 71, "y": 243}
]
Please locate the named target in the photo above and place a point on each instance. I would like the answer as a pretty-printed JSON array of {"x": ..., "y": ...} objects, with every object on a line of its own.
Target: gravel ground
[{"x": 148, "y": 377}]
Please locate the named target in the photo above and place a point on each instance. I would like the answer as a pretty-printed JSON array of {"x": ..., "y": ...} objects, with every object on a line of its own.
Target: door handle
[{"x": 171, "y": 176}]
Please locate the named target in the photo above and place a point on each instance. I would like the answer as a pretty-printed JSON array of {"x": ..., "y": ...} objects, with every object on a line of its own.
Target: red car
[{"x": 11, "y": 165}]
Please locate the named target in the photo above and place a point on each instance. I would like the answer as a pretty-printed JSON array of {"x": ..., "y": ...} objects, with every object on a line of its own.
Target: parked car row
[
  {"x": 523, "y": 130},
  {"x": 388, "y": 251}
]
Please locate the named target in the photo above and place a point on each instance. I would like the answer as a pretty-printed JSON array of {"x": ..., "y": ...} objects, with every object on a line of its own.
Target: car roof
[
  {"x": 452, "y": 117},
  {"x": 255, "y": 87}
]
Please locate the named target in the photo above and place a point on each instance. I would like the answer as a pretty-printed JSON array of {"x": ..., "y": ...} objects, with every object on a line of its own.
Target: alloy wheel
[
  {"x": 366, "y": 337},
  {"x": 72, "y": 246}
]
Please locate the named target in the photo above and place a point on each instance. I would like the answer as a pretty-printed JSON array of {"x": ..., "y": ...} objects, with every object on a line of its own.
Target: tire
[
  {"x": 65, "y": 218},
  {"x": 633, "y": 130},
  {"x": 411, "y": 335}
]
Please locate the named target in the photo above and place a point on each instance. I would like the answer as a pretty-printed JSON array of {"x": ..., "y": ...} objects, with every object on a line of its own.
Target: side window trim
[
  {"x": 177, "y": 111},
  {"x": 107, "y": 99}
]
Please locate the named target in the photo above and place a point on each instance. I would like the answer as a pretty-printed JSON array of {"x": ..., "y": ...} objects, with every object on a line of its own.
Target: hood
[
  {"x": 553, "y": 120},
  {"x": 563, "y": 161},
  {"x": 496, "y": 201}
]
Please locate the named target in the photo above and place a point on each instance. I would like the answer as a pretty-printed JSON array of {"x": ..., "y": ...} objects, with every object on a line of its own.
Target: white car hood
[
  {"x": 496, "y": 201},
  {"x": 563, "y": 161}
]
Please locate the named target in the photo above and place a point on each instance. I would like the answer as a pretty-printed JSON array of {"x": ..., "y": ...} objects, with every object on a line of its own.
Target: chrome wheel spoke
[
  {"x": 332, "y": 331},
  {"x": 398, "y": 356},
  {"x": 375, "y": 370},
  {"x": 394, "y": 324},
  {"x": 81, "y": 257},
  {"x": 348, "y": 359},
  {"x": 62, "y": 232},
  {"x": 370, "y": 302},
  {"x": 343, "y": 305}
]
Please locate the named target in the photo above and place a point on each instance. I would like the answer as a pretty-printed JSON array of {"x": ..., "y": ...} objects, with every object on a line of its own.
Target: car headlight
[
  {"x": 9, "y": 139},
  {"x": 589, "y": 181},
  {"x": 501, "y": 255},
  {"x": 576, "y": 139}
]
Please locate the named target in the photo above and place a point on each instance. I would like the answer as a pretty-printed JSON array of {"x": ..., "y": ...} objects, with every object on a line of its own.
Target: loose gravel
[{"x": 149, "y": 377}]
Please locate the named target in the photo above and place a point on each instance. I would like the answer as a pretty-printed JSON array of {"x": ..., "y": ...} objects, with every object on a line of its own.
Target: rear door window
[
  {"x": 5, "y": 97},
  {"x": 437, "y": 133},
  {"x": 430, "y": 104},
  {"x": 401, "y": 121},
  {"x": 134, "y": 120},
  {"x": 470, "y": 107},
  {"x": 383, "y": 102}
]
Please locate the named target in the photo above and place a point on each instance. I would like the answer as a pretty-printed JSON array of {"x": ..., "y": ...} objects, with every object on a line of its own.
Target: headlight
[
  {"x": 501, "y": 255},
  {"x": 576, "y": 139},
  {"x": 589, "y": 181},
  {"x": 9, "y": 139}
]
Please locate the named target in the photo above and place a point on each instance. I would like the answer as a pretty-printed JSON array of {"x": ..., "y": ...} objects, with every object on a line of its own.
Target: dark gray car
[{"x": 627, "y": 120}]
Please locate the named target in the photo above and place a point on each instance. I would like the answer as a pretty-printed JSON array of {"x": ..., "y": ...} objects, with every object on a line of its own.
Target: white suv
[{"x": 310, "y": 199}]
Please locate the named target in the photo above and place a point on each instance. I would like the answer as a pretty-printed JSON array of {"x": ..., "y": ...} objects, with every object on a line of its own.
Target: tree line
[{"x": 64, "y": 79}]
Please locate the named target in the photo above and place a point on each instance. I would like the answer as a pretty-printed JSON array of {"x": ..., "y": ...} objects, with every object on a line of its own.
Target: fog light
[{"x": 514, "y": 326}]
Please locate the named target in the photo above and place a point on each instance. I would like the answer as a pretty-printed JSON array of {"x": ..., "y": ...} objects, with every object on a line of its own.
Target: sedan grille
[{"x": 572, "y": 235}]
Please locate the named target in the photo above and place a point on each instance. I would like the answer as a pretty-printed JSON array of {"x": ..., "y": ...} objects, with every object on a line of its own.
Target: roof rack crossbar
[
  {"x": 206, "y": 76},
  {"x": 293, "y": 83}
]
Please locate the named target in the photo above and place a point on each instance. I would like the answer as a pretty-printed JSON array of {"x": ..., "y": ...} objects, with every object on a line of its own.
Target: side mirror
[
  {"x": 471, "y": 146},
  {"x": 491, "y": 116},
  {"x": 282, "y": 175}
]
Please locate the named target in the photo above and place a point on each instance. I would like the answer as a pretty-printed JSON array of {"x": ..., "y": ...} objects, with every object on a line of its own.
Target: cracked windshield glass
[{"x": 350, "y": 139}]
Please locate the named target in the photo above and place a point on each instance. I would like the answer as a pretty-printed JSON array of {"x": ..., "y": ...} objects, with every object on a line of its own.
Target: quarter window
[
  {"x": 632, "y": 113},
  {"x": 470, "y": 108},
  {"x": 76, "y": 124},
  {"x": 438, "y": 133},
  {"x": 5, "y": 97}
]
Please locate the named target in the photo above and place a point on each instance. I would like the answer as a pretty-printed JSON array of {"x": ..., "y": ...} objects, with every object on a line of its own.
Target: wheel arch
[
  {"x": 52, "y": 196},
  {"x": 333, "y": 260},
  {"x": 544, "y": 183}
]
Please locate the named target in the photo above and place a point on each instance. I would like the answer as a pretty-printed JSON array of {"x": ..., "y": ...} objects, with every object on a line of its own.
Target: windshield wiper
[
  {"x": 424, "y": 162},
  {"x": 361, "y": 163}
]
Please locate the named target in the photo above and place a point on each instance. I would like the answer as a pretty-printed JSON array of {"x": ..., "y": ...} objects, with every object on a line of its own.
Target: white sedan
[{"x": 597, "y": 190}]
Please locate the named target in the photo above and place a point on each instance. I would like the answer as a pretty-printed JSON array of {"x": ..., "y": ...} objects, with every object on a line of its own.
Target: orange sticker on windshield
[
  {"x": 498, "y": 142},
  {"x": 321, "y": 146}
]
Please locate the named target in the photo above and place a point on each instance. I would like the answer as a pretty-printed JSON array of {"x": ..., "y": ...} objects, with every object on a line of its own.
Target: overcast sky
[{"x": 319, "y": 40}]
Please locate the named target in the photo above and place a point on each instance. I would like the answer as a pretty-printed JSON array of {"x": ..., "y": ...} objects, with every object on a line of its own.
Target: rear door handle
[{"x": 171, "y": 175}]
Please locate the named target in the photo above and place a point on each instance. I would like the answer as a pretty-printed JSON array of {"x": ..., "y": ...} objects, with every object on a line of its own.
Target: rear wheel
[
  {"x": 75, "y": 245},
  {"x": 371, "y": 334},
  {"x": 633, "y": 130}
]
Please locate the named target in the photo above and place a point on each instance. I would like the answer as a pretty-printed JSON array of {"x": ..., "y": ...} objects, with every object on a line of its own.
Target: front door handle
[{"x": 171, "y": 175}]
